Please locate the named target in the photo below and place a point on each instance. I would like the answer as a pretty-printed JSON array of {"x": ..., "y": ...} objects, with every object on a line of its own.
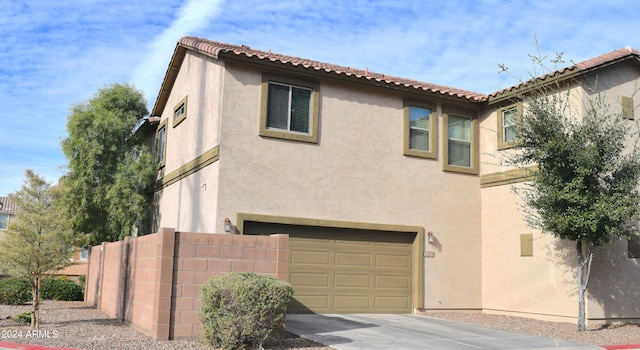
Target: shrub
[
  {"x": 241, "y": 310},
  {"x": 14, "y": 291},
  {"x": 60, "y": 289},
  {"x": 24, "y": 317}
]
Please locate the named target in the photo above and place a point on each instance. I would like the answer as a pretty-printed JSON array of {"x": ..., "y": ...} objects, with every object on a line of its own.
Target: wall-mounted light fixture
[
  {"x": 228, "y": 226},
  {"x": 430, "y": 237}
]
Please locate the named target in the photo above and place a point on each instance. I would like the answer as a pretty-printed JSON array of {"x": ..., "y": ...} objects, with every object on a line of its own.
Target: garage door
[{"x": 350, "y": 271}]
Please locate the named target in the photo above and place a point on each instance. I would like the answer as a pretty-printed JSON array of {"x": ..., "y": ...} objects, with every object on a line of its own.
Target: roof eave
[
  {"x": 169, "y": 79},
  {"x": 563, "y": 76},
  {"x": 353, "y": 78}
]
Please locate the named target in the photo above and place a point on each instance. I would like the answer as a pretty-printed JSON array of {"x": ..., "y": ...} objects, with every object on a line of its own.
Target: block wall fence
[{"x": 153, "y": 282}]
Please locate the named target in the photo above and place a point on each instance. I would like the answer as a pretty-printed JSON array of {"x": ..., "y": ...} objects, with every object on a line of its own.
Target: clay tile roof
[
  {"x": 590, "y": 64},
  {"x": 216, "y": 49},
  {"x": 8, "y": 206}
]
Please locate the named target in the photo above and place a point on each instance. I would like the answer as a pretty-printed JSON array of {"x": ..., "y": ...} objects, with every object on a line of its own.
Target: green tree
[
  {"x": 37, "y": 241},
  {"x": 585, "y": 188},
  {"x": 110, "y": 175}
]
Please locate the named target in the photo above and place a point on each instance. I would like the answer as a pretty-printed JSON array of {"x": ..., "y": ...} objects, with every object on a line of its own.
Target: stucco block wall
[{"x": 153, "y": 282}]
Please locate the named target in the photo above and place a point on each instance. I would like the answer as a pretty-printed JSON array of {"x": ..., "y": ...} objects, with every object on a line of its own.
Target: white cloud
[
  {"x": 54, "y": 54},
  {"x": 194, "y": 15}
]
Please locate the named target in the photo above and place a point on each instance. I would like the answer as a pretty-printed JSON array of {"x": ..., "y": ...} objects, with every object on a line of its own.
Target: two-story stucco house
[{"x": 385, "y": 185}]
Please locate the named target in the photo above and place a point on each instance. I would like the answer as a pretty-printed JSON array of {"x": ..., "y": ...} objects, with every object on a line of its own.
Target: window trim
[
  {"x": 312, "y": 135},
  {"x": 502, "y": 144},
  {"x": 433, "y": 134},
  {"x": 474, "y": 152},
  {"x": 161, "y": 126},
  {"x": 183, "y": 116}
]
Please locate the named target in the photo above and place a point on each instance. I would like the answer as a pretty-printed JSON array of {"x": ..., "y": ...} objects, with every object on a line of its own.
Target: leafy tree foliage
[
  {"x": 110, "y": 175},
  {"x": 37, "y": 241},
  {"x": 585, "y": 185}
]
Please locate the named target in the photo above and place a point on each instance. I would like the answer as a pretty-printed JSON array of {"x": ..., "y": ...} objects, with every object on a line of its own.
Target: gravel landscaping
[
  {"x": 76, "y": 325},
  {"x": 594, "y": 335}
]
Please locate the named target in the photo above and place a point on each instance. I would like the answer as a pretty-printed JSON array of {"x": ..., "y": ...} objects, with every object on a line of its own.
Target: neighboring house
[
  {"x": 8, "y": 209},
  {"x": 388, "y": 187}
]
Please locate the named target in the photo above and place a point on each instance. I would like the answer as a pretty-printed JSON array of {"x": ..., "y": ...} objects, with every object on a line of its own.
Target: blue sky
[{"x": 55, "y": 54}]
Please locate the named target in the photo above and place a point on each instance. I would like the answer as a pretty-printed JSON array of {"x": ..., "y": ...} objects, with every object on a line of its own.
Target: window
[
  {"x": 4, "y": 221},
  {"x": 460, "y": 146},
  {"x": 419, "y": 125},
  {"x": 84, "y": 254},
  {"x": 289, "y": 109},
  {"x": 509, "y": 118},
  {"x": 180, "y": 112},
  {"x": 161, "y": 143},
  {"x": 627, "y": 107}
]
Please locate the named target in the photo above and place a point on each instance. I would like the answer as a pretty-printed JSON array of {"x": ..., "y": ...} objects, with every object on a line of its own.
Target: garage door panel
[
  {"x": 396, "y": 243},
  {"x": 310, "y": 257},
  {"x": 394, "y": 282},
  {"x": 351, "y": 302},
  {"x": 352, "y": 259},
  {"x": 310, "y": 239},
  {"x": 352, "y": 281},
  {"x": 308, "y": 303},
  {"x": 383, "y": 260},
  {"x": 391, "y": 303},
  {"x": 309, "y": 279}
]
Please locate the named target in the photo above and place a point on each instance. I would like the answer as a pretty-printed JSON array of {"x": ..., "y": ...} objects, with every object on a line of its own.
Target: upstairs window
[
  {"x": 289, "y": 109},
  {"x": 460, "y": 147},
  {"x": 161, "y": 143},
  {"x": 509, "y": 118},
  {"x": 180, "y": 112},
  {"x": 419, "y": 127}
]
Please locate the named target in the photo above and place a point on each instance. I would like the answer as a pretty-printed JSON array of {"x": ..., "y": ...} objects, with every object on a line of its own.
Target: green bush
[
  {"x": 60, "y": 289},
  {"x": 24, "y": 317},
  {"x": 14, "y": 291},
  {"x": 241, "y": 310}
]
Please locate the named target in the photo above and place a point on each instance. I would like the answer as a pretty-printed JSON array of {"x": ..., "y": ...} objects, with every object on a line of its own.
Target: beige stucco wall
[
  {"x": 540, "y": 286},
  {"x": 191, "y": 204},
  {"x": 357, "y": 173},
  {"x": 544, "y": 285}
]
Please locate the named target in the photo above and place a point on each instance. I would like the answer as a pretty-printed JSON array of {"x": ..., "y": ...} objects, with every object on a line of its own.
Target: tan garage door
[{"x": 350, "y": 271}]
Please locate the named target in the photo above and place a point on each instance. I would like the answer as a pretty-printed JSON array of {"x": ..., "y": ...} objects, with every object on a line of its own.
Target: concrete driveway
[{"x": 398, "y": 332}]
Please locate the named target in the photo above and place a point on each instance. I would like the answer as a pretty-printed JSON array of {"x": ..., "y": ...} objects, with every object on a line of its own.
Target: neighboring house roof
[
  {"x": 8, "y": 206},
  {"x": 577, "y": 69}
]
